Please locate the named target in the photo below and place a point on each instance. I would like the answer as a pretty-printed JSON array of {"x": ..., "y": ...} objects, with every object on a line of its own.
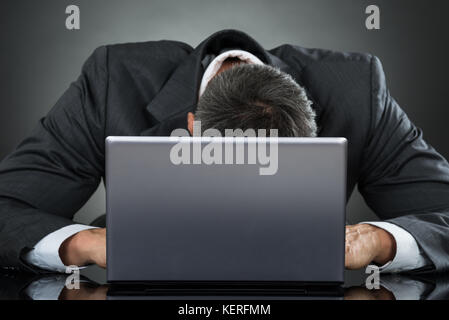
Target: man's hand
[
  {"x": 366, "y": 244},
  {"x": 85, "y": 247}
]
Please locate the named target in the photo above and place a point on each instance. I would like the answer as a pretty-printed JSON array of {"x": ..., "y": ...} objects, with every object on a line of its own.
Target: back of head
[{"x": 256, "y": 97}]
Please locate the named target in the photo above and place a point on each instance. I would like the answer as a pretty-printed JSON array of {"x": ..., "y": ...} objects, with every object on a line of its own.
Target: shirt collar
[{"x": 216, "y": 64}]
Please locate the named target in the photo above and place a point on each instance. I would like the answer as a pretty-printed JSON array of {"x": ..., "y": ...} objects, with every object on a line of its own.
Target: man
[{"x": 155, "y": 87}]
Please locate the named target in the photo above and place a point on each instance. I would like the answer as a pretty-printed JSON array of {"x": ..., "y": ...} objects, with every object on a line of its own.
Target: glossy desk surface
[{"x": 93, "y": 286}]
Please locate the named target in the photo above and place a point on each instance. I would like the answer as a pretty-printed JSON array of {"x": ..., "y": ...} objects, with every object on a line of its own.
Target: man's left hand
[{"x": 366, "y": 244}]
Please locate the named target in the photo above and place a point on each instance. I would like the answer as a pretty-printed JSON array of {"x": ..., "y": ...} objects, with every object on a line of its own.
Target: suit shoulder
[
  {"x": 172, "y": 51},
  {"x": 341, "y": 85},
  {"x": 308, "y": 56}
]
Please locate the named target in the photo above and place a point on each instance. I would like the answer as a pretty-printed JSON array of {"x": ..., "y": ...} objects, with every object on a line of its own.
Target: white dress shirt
[{"x": 45, "y": 254}]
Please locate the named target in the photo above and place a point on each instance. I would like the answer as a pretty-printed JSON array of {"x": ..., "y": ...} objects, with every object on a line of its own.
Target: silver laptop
[{"x": 225, "y": 210}]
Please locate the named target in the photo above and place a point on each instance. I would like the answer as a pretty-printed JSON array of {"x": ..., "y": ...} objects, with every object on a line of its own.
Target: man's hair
[{"x": 256, "y": 97}]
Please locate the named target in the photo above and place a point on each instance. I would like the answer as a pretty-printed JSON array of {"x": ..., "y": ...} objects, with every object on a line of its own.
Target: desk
[{"x": 19, "y": 286}]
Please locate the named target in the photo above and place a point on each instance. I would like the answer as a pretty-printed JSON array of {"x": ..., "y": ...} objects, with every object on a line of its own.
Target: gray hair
[{"x": 256, "y": 97}]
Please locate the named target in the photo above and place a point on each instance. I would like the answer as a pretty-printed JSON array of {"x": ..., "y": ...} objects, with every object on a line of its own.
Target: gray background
[{"x": 39, "y": 57}]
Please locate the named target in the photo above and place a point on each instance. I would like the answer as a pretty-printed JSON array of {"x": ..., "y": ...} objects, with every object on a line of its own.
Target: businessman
[{"x": 228, "y": 81}]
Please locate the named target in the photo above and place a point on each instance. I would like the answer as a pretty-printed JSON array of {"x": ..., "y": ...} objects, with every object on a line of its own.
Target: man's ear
[{"x": 190, "y": 120}]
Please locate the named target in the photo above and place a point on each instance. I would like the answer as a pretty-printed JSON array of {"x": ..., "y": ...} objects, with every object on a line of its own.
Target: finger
[
  {"x": 351, "y": 237},
  {"x": 349, "y": 258}
]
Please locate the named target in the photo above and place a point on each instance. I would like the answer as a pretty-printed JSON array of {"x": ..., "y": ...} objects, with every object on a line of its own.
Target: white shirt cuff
[
  {"x": 408, "y": 256},
  {"x": 45, "y": 254}
]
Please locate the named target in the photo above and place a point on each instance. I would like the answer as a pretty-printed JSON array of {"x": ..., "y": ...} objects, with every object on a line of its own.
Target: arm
[
  {"x": 403, "y": 179},
  {"x": 47, "y": 179}
]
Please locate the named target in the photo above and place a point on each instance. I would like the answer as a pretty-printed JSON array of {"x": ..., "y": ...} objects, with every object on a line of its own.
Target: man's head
[{"x": 256, "y": 97}]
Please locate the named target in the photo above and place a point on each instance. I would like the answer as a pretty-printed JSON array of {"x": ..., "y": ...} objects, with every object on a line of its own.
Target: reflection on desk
[{"x": 52, "y": 287}]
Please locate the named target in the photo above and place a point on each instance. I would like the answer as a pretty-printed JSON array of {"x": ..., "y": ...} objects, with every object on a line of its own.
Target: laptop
[{"x": 230, "y": 213}]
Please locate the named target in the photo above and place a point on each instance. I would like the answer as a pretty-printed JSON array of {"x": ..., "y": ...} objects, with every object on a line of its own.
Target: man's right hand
[{"x": 85, "y": 247}]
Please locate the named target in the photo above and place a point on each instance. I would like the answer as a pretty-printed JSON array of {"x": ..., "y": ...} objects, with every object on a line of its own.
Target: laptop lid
[{"x": 174, "y": 213}]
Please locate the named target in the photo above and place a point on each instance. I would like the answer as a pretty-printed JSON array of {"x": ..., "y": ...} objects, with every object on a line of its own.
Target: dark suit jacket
[{"x": 148, "y": 88}]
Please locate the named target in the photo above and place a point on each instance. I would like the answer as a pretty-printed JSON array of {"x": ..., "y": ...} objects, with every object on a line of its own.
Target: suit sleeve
[
  {"x": 403, "y": 179},
  {"x": 53, "y": 172}
]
